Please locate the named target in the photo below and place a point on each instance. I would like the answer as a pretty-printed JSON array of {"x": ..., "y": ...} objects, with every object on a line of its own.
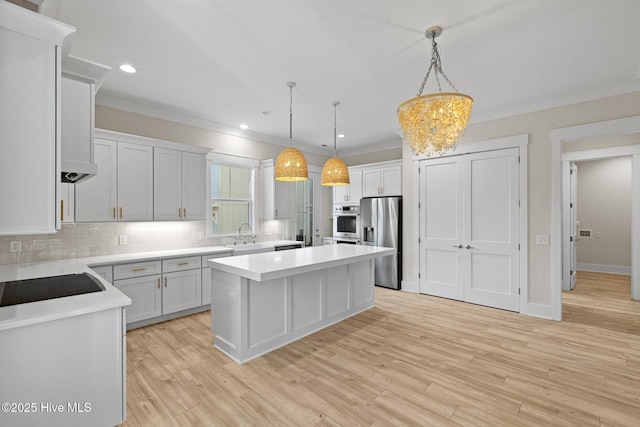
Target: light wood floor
[{"x": 411, "y": 360}]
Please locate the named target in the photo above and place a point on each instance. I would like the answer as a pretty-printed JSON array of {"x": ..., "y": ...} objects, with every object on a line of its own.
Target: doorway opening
[{"x": 580, "y": 135}]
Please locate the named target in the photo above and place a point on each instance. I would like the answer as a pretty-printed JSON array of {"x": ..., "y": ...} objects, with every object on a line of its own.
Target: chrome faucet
[
  {"x": 244, "y": 223},
  {"x": 240, "y": 234}
]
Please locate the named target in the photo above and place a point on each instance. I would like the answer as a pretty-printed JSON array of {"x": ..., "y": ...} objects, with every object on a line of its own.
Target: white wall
[
  {"x": 538, "y": 125},
  {"x": 604, "y": 206}
]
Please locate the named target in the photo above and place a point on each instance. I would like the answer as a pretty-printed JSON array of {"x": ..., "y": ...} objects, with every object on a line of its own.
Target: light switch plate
[
  {"x": 542, "y": 239},
  {"x": 15, "y": 246},
  {"x": 123, "y": 240}
]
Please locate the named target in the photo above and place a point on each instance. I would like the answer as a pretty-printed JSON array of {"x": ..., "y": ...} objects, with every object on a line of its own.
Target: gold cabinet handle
[
  {"x": 120, "y": 213},
  {"x": 158, "y": 283},
  {"x": 135, "y": 270},
  {"x": 179, "y": 213},
  {"x": 165, "y": 282},
  {"x": 184, "y": 210},
  {"x": 61, "y": 210},
  {"x": 114, "y": 213},
  {"x": 183, "y": 263}
]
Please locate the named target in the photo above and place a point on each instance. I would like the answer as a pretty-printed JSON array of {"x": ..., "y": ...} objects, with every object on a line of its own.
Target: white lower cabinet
[
  {"x": 146, "y": 296},
  {"x": 182, "y": 289}
]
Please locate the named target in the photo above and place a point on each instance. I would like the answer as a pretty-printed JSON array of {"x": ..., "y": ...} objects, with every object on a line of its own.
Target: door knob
[{"x": 468, "y": 247}]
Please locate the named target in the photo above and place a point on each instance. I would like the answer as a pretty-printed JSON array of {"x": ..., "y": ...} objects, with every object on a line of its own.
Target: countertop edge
[{"x": 258, "y": 276}]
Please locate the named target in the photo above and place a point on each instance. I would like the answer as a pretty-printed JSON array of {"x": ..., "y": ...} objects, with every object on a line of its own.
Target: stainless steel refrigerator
[{"x": 381, "y": 225}]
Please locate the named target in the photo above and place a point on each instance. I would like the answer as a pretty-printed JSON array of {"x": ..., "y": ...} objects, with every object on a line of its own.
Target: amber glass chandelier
[
  {"x": 335, "y": 171},
  {"x": 291, "y": 164},
  {"x": 432, "y": 124}
]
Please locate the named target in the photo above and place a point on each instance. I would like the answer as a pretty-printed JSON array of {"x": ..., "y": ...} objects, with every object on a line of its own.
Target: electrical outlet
[
  {"x": 542, "y": 239},
  {"x": 15, "y": 246},
  {"x": 123, "y": 240},
  {"x": 201, "y": 235},
  {"x": 598, "y": 234}
]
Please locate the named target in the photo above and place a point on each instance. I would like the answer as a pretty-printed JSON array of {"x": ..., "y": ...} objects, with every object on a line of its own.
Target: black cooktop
[{"x": 44, "y": 288}]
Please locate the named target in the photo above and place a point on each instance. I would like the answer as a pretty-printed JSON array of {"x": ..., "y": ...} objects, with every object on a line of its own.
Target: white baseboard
[
  {"x": 409, "y": 286},
  {"x": 601, "y": 268},
  {"x": 539, "y": 310}
]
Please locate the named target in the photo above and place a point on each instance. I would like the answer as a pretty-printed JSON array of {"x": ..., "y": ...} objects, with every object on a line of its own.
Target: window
[{"x": 231, "y": 197}]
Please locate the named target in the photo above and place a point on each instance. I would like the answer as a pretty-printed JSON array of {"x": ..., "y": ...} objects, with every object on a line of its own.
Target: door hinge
[
  {"x": 570, "y": 272},
  {"x": 418, "y": 275},
  {"x": 518, "y": 159},
  {"x": 419, "y": 240},
  {"x": 419, "y": 171},
  {"x": 518, "y": 291},
  {"x": 571, "y": 238},
  {"x": 418, "y": 205},
  {"x": 570, "y": 205},
  {"x": 518, "y": 203},
  {"x": 518, "y": 246},
  {"x": 570, "y": 171}
]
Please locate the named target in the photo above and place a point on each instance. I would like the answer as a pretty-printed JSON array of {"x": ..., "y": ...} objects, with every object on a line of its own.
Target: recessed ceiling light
[
  {"x": 244, "y": 126},
  {"x": 341, "y": 135},
  {"x": 128, "y": 68}
]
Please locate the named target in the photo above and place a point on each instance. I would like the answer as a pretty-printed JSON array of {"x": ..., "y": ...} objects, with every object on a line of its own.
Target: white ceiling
[{"x": 222, "y": 63}]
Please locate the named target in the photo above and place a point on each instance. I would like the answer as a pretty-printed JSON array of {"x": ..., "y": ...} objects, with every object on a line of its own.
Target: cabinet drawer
[
  {"x": 178, "y": 264},
  {"x": 136, "y": 269}
]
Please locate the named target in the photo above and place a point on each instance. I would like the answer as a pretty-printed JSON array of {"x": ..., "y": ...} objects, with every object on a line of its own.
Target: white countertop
[
  {"x": 273, "y": 265},
  {"x": 42, "y": 311}
]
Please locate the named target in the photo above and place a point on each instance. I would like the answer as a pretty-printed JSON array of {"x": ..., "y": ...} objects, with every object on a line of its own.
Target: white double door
[{"x": 469, "y": 228}]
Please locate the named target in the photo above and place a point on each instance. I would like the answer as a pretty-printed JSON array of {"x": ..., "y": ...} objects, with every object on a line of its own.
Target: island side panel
[
  {"x": 337, "y": 292},
  {"x": 267, "y": 311},
  {"x": 361, "y": 282},
  {"x": 307, "y": 297},
  {"x": 226, "y": 321}
]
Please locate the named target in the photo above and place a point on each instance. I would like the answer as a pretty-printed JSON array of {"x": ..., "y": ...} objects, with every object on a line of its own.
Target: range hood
[
  {"x": 74, "y": 172},
  {"x": 81, "y": 79}
]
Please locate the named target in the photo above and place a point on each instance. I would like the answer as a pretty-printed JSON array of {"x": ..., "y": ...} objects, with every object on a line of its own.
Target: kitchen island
[{"x": 263, "y": 301}]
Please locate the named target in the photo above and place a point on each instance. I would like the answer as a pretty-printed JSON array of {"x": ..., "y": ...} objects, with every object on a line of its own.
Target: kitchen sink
[{"x": 251, "y": 248}]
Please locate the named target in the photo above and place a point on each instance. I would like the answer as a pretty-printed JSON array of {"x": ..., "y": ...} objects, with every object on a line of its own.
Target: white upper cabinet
[
  {"x": 30, "y": 57},
  {"x": 382, "y": 181},
  {"x": 96, "y": 199},
  {"x": 277, "y": 196},
  {"x": 123, "y": 188},
  {"x": 352, "y": 193},
  {"x": 135, "y": 182},
  {"x": 179, "y": 185}
]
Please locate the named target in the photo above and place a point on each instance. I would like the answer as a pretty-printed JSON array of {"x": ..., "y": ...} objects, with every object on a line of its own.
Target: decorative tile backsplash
[{"x": 107, "y": 238}]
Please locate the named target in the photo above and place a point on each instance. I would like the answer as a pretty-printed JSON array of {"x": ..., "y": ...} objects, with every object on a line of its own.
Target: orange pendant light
[
  {"x": 290, "y": 164},
  {"x": 335, "y": 171}
]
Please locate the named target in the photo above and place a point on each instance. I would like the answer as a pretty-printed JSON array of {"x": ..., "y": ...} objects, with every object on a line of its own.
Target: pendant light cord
[
  {"x": 335, "y": 149},
  {"x": 291, "y": 85}
]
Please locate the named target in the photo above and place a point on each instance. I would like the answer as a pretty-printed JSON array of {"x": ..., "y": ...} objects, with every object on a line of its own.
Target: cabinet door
[
  {"x": 355, "y": 186},
  {"x": 277, "y": 195},
  {"x": 96, "y": 197},
  {"x": 28, "y": 133},
  {"x": 146, "y": 297},
  {"x": 371, "y": 183},
  {"x": 135, "y": 182},
  {"x": 181, "y": 290},
  {"x": 167, "y": 189},
  {"x": 391, "y": 180},
  {"x": 193, "y": 186},
  {"x": 67, "y": 203},
  {"x": 341, "y": 193}
]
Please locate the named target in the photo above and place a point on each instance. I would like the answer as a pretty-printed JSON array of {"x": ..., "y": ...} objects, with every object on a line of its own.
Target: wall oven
[{"x": 346, "y": 221}]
